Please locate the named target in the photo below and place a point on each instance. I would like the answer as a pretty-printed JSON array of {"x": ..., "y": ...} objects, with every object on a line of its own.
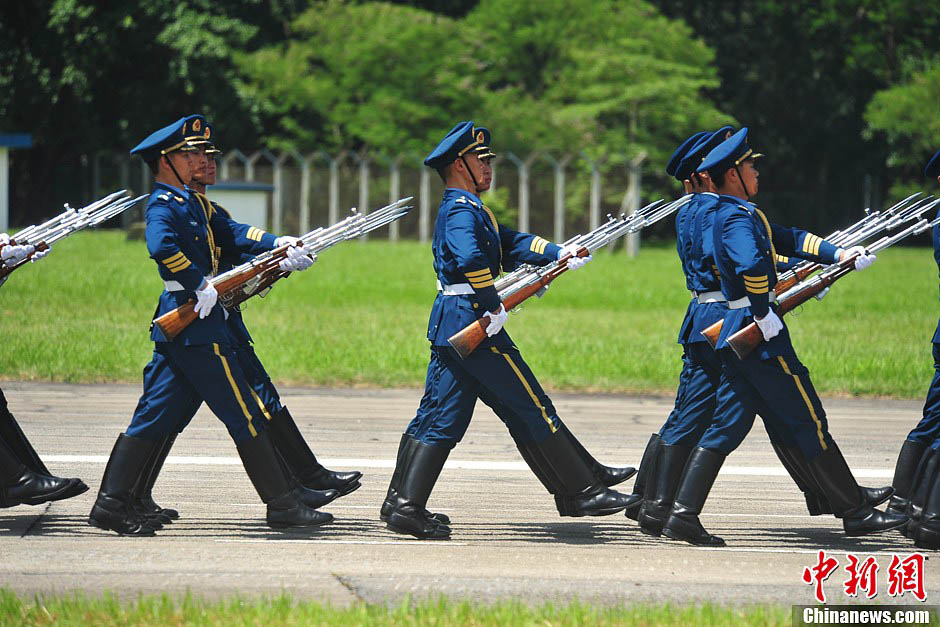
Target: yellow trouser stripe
[
  {"x": 809, "y": 405},
  {"x": 238, "y": 395},
  {"x": 264, "y": 410},
  {"x": 527, "y": 387}
]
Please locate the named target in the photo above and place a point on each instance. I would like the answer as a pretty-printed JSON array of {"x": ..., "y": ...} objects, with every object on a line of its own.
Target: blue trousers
[
  {"x": 695, "y": 397},
  {"x": 780, "y": 390},
  {"x": 498, "y": 376},
  {"x": 927, "y": 430},
  {"x": 177, "y": 381}
]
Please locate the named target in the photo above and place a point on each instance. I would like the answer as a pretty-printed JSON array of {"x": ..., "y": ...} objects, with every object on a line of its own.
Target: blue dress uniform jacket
[
  {"x": 470, "y": 247},
  {"x": 695, "y": 246},
  {"x": 747, "y": 248},
  {"x": 184, "y": 240}
]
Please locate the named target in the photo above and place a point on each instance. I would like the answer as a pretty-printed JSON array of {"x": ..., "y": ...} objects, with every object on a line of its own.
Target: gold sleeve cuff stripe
[
  {"x": 180, "y": 266},
  {"x": 757, "y": 286},
  {"x": 782, "y": 259},
  {"x": 757, "y": 290},
  {"x": 478, "y": 273},
  {"x": 538, "y": 245},
  {"x": 482, "y": 284},
  {"x": 811, "y": 244},
  {"x": 254, "y": 233},
  {"x": 174, "y": 258}
]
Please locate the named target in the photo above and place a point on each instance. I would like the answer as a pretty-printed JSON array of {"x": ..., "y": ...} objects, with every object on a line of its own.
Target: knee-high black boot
[
  {"x": 697, "y": 481},
  {"x": 20, "y": 485},
  {"x": 848, "y": 501},
  {"x": 608, "y": 475},
  {"x": 926, "y": 533},
  {"x": 405, "y": 447},
  {"x": 926, "y": 471},
  {"x": 905, "y": 472},
  {"x": 311, "y": 498},
  {"x": 639, "y": 486},
  {"x": 12, "y": 435},
  {"x": 421, "y": 468},
  {"x": 284, "y": 510},
  {"x": 581, "y": 493},
  {"x": 114, "y": 507},
  {"x": 142, "y": 494},
  {"x": 661, "y": 488},
  {"x": 303, "y": 463}
]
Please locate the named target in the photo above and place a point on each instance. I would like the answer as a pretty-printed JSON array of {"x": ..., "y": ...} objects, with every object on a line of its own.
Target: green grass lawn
[
  {"x": 283, "y": 611},
  {"x": 359, "y": 317}
]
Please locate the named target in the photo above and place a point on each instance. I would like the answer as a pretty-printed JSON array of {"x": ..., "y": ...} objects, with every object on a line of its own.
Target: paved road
[{"x": 508, "y": 541}]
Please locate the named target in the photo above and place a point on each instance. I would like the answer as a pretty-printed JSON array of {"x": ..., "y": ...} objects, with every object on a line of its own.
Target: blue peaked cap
[
  {"x": 184, "y": 134},
  {"x": 728, "y": 154},
  {"x": 680, "y": 152},
  {"x": 932, "y": 169},
  {"x": 693, "y": 157},
  {"x": 463, "y": 138}
]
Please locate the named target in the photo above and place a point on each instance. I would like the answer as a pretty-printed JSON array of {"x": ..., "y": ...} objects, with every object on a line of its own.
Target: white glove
[
  {"x": 822, "y": 294},
  {"x": 497, "y": 320},
  {"x": 4, "y": 239},
  {"x": 770, "y": 325},
  {"x": 574, "y": 262},
  {"x": 206, "y": 297},
  {"x": 298, "y": 258},
  {"x": 864, "y": 260},
  {"x": 13, "y": 254}
]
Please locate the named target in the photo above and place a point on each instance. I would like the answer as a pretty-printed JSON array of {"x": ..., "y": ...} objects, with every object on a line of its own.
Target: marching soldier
[
  {"x": 470, "y": 248},
  {"x": 24, "y": 478},
  {"x": 916, "y": 489},
  {"x": 771, "y": 381},
  {"x": 200, "y": 363}
]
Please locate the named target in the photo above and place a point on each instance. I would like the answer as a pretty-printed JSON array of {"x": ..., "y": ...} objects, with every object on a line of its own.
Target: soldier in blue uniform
[
  {"x": 199, "y": 364},
  {"x": 471, "y": 249},
  {"x": 771, "y": 381},
  {"x": 917, "y": 490},
  {"x": 24, "y": 478}
]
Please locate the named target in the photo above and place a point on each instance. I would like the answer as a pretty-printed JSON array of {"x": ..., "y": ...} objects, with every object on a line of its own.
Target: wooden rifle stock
[
  {"x": 232, "y": 291},
  {"x": 471, "y": 336},
  {"x": 796, "y": 275},
  {"x": 744, "y": 341}
]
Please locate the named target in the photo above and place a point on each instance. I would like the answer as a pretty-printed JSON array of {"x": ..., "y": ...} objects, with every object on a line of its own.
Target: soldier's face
[
  {"x": 482, "y": 171},
  {"x": 749, "y": 176},
  {"x": 182, "y": 164}
]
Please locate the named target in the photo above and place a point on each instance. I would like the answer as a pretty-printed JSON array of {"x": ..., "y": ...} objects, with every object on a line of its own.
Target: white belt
[
  {"x": 709, "y": 297},
  {"x": 173, "y": 286},
  {"x": 457, "y": 289},
  {"x": 744, "y": 301}
]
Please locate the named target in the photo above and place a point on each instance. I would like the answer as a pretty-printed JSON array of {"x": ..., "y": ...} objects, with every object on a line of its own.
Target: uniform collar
[{"x": 184, "y": 193}]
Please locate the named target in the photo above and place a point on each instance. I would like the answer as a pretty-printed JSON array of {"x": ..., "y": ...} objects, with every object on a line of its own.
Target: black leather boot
[
  {"x": 848, "y": 502},
  {"x": 114, "y": 508},
  {"x": 639, "y": 486},
  {"x": 422, "y": 466},
  {"x": 926, "y": 471},
  {"x": 303, "y": 463},
  {"x": 12, "y": 435},
  {"x": 581, "y": 493},
  {"x": 143, "y": 492},
  {"x": 311, "y": 498},
  {"x": 405, "y": 447},
  {"x": 697, "y": 481},
  {"x": 662, "y": 488},
  {"x": 608, "y": 475},
  {"x": 926, "y": 533},
  {"x": 905, "y": 472},
  {"x": 20, "y": 485},
  {"x": 284, "y": 510}
]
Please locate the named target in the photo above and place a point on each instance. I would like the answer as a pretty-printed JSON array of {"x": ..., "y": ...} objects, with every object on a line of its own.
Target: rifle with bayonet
[
  {"x": 42, "y": 236},
  {"x": 747, "y": 339},
  {"x": 255, "y": 277},
  {"x": 907, "y": 210},
  {"x": 529, "y": 280}
]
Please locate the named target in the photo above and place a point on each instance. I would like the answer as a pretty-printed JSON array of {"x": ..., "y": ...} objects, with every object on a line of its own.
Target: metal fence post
[
  {"x": 559, "y": 218},
  {"x": 424, "y": 205},
  {"x": 632, "y": 197},
  {"x": 277, "y": 200},
  {"x": 394, "y": 193},
  {"x": 334, "y": 187},
  {"x": 363, "y": 188},
  {"x": 595, "y": 194},
  {"x": 305, "y": 182}
]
